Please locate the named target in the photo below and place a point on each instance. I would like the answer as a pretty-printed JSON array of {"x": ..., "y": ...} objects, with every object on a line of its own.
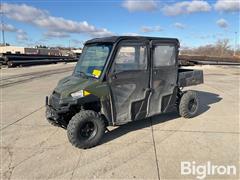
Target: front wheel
[
  {"x": 189, "y": 104},
  {"x": 85, "y": 129}
]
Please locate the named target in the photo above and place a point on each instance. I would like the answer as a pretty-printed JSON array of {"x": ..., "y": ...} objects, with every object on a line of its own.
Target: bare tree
[{"x": 221, "y": 48}]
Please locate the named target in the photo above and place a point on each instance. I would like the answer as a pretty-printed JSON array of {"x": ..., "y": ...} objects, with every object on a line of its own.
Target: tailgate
[{"x": 189, "y": 77}]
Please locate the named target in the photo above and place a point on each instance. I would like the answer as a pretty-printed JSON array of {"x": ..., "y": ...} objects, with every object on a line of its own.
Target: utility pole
[
  {"x": 235, "y": 44},
  {"x": 2, "y": 24}
]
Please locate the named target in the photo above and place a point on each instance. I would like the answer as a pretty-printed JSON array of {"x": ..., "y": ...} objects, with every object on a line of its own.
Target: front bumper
[
  {"x": 51, "y": 114},
  {"x": 57, "y": 111},
  {"x": 54, "y": 118}
]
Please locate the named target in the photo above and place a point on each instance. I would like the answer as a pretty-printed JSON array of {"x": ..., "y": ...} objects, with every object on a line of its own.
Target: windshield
[{"x": 92, "y": 60}]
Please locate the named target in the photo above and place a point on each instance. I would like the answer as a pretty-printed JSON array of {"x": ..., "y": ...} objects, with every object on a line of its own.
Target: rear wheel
[
  {"x": 85, "y": 129},
  {"x": 189, "y": 104}
]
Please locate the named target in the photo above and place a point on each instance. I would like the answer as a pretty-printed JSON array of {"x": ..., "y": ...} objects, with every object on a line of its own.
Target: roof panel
[{"x": 113, "y": 39}]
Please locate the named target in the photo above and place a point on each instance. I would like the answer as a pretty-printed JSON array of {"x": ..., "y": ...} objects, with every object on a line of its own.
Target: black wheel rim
[
  {"x": 192, "y": 105},
  {"x": 87, "y": 130}
]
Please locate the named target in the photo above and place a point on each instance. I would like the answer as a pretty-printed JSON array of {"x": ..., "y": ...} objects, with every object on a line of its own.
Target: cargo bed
[{"x": 189, "y": 77}]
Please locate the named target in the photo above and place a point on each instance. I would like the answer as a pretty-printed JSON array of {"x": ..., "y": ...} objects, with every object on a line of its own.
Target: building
[
  {"x": 12, "y": 49},
  {"x": 77, "y": 52},
  {"x": 23, "y": 50},
  {"x": 40, "y": 51}
]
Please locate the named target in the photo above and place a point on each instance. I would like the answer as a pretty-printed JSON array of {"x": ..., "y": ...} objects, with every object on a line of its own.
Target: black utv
[{"x": 118, "y": 80}]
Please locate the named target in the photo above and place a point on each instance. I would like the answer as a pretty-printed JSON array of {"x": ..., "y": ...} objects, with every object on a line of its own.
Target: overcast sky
[{"x": 48, "y": 22}]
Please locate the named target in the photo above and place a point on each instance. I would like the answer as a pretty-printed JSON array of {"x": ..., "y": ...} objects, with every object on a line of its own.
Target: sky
[{"x": 70, "y": 23}]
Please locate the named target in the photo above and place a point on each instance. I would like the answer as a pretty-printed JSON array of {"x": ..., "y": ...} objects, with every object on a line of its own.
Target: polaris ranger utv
[{"x": 121, "y": 79}]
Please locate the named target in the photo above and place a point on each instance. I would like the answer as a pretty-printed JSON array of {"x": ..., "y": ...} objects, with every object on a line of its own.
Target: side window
[
  {"x": 164, "y": 55},
  {"x": 131, "y": 57}
]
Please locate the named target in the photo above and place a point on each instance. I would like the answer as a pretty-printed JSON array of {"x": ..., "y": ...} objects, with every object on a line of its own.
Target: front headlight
[{"x": 79, "y": 94}]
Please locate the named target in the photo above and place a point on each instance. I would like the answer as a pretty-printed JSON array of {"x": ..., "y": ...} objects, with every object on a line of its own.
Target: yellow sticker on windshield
[{"x": 96, "y": 73}]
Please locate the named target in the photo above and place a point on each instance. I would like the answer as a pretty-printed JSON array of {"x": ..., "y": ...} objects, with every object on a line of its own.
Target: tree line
[{"x": 221, "y": 48}]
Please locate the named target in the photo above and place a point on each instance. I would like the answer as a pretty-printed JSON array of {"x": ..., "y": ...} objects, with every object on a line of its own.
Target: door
[
  {"x": 129, "y": 81},
  {"x": 163, "y": 77}
]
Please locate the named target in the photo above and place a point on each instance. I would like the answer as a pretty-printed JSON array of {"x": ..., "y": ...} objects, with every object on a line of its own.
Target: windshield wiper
[{"x": 82, "y": 74}]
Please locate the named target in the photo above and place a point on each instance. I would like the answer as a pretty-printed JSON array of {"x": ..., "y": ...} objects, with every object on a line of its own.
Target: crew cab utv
[{"x": 118, "y": 80}]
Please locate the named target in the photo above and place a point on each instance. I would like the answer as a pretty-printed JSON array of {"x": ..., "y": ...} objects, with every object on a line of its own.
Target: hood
[{"x": 71, "y": 84}]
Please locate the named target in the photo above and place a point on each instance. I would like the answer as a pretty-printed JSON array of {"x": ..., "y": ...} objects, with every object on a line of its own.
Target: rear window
[{"x": 164, "y": 55}]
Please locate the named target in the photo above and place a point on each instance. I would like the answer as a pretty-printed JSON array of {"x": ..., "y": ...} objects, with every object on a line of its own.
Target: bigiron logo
[{"x": 201, "y": 171}]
